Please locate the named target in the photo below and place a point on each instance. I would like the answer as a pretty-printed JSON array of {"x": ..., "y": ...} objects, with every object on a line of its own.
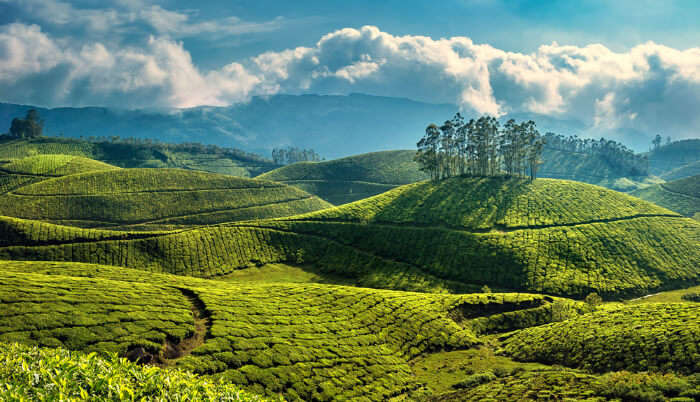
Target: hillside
[
  {"x": 162, "y": 197},
  {"x": 141, "y": 154},
  {"x": 682, "y": 196},
  {"x": 676, "y": 160},
  {"x": 15, "y": 173},
  {"x": 653, "y": 336},
  {"x": 314, "y": 342},
  {"x": 547, "y": 236},
  {"x": 352, "y": 178}
]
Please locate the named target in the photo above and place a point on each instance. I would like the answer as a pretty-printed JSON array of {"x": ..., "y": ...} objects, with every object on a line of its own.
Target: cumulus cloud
[{"x": 649, "y": 87}]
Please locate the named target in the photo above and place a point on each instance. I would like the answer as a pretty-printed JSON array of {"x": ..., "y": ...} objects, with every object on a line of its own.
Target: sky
[{"x": 611, "y": 64}]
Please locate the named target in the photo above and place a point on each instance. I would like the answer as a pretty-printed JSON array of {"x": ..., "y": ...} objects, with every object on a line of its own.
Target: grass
[
  {"x": 671, "y": 296},
  {"x": 353, "y": 178},
  {"x": 678, "y": 154},
  {"x": 307, "y": 341},
  {"x": 645, "y": 337},
  {"x": 231, "y": 162},
  {"x": 682, "y": 196},
  {"x": 161, "y": 197},
  {"x": 31, "y": 373}
]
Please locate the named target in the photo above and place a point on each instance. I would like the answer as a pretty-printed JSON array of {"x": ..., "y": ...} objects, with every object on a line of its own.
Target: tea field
[
  {"x": 353, "y": 178},
  {"x": 530, "y": 244},
  {"x": 155, "y": 197},
  {"x": 682, "y": 196}
]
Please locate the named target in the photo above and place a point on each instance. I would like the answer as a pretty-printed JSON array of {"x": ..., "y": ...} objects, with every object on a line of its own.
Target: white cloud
[{"x": 649, "y": 87}]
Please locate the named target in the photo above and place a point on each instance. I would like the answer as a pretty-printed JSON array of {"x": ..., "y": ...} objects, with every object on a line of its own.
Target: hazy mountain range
[{"x": 333, "y": 125}]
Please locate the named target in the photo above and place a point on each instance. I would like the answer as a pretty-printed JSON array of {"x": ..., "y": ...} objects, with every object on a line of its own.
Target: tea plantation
[
  {"x": 54, "y": 165},
  {"x": 644, "y": 337},
  {"x": 31, "y": 373},
  {"x": 157, "y": 197},
  {"x": 353, "y": 178},
  {"x": 682, "y": 196},
  {"x": 622, "y": 248},
  {"x": 141, "y": 154},
  {"x": 304, "y": 341}
]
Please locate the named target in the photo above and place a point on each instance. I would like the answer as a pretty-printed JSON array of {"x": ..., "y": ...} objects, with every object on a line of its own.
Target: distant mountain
[{"x": 333, "y": 125}]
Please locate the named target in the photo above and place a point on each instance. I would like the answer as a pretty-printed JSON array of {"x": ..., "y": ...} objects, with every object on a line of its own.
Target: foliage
[
  {"x": 289, "y": 155},
  {"x": 617, "y": 157},
  {"x": 154, "y": 196},
  {"x": 694, "y": 297},
  {"x": 564, "y": 384},
  {"x": 653, "y": 336},
  {"x": 30, "y": 373},
  {"x": 479, "y": 148},
  {"x": 29, "y": 127},
  {"x": 353, "y": 178}
]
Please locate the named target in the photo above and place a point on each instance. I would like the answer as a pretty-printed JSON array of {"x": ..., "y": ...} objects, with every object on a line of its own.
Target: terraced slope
[
  {"x": 653, "y": 337},
  {"x": 21, "y": 172},
  {"x": 54, "y": 165},
  {"x": 310, "y": 342},
  {"x": 142, "y": 155},
  {"x": 457, "y": 235},
  {"x": 682, "y": 196},
  {"x": 163, "y": 197},
  {"x": 353, "y": 178}
]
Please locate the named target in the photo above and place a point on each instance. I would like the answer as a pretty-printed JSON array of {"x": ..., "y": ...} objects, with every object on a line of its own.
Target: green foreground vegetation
[{"x": 31, "y": 373}]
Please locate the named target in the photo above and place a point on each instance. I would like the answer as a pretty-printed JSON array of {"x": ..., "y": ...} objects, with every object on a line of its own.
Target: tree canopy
[
  {"x": 29, "y": 127},
  {"x": 480, "y": 148}
]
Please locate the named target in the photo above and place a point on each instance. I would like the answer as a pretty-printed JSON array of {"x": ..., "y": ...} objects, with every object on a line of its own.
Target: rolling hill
[
  {"x": 305, "y": 341},
  {"x": 141, "y": 154},
  {"x": 352, "y": 178},
  {"x": 653, "y": 337},
  {"x": 547, "y": 236},
  {"x": 676, "y": 160},
  {"x": 155, "y": 197},
  {"x": 682, "y": 196},
  {"x": 16, "y": 173}
]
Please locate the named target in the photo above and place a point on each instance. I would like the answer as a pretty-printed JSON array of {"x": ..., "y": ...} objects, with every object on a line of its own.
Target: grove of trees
[
  {"x": 480, "y": 147},
  {"x": 620, "y": 158},
  {"x": 289, "y": 155},
  {"x": 29, "y": 127}
]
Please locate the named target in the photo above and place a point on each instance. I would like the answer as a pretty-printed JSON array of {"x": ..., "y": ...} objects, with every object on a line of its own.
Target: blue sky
[{"x": 612, "y": 64}]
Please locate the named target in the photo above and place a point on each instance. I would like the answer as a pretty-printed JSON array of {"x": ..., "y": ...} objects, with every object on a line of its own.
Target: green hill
[
  {"x": 676, "y": 160},
  {"x": 163, "y": 197},
  {"x": 142, "y": 154},
  {"x": 682, "y": 196},
  {"x": 350, "y": 179},
  {"x": 308, "y": 341},
  {"x": 645, "y": 337},
  {"x": 16, "y": 173},
  {"x": 547, "y": 236}
]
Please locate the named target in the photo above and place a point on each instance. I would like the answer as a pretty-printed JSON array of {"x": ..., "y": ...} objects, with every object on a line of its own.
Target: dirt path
[{"x": 202, "y": 326}]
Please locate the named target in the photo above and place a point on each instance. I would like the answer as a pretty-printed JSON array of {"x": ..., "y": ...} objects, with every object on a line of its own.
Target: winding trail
[{"x": 172, "y": 351}]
